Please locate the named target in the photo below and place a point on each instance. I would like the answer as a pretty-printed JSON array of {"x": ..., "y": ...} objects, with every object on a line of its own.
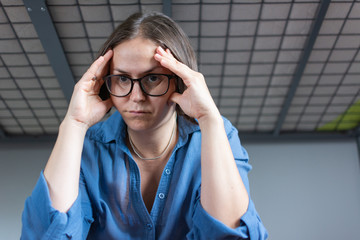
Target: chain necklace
[{"x": 162, "y": 154}]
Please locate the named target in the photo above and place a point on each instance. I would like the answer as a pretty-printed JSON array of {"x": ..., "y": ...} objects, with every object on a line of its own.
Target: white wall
[
  {"x": 302, "y": 190},
  {"x": 307, "y": 190}
]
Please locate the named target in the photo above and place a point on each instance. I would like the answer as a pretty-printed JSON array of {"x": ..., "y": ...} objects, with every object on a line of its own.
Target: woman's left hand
[{"x": 196, "y": 100}]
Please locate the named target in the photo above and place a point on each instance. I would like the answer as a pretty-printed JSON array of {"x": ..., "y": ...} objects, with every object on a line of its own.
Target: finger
[
  {"x": 167, "y": 60},
  {"x": 175, "y": 97},
  {"x": 97, "y": 65}
]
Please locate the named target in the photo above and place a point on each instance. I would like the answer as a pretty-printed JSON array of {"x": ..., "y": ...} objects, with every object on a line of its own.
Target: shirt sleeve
[
  {"x": 41, "y": 221},
  {"x": 251, "y": 226}
]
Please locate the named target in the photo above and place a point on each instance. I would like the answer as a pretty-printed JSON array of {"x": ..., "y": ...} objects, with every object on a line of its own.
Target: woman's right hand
[{"x": 86, "y": 107}]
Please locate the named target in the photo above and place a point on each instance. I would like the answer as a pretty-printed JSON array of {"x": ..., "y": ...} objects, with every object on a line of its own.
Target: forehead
[{"x": 134, "y": 56}]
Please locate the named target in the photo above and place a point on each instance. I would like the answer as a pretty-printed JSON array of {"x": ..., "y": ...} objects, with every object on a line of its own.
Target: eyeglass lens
[{"x": 153, "y": 84}]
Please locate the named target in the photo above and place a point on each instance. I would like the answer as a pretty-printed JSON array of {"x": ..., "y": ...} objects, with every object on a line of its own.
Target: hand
[
  {"x": 196, "y": 100},
  {"x": 86, "y": 107}
]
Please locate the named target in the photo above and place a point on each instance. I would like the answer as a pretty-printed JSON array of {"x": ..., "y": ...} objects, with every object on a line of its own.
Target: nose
[{"x": 137, "y": 95}]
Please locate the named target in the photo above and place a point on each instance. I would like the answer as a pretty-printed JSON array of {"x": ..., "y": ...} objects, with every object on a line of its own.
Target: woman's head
[{"x": 161, "y": 30}]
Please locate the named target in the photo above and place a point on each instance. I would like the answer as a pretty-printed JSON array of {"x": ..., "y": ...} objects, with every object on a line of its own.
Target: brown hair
[{"x": 160, "y": 29}]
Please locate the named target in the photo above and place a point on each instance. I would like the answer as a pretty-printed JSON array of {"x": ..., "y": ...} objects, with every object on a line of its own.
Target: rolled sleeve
[{"x": 41, "y": 221}]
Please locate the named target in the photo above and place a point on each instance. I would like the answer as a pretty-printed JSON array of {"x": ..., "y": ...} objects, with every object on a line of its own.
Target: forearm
[
  {"x": 223, "y": 194},
  {"x": 62, "y": 170}
]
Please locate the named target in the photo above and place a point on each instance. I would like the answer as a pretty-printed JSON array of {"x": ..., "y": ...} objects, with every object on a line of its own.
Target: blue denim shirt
[{"x": 110, "y": 205}]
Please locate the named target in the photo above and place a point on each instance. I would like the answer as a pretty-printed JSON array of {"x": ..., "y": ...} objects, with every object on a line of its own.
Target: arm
[
  {"x": 223, "y": 194},
  {"x": 86, "y": 108}
]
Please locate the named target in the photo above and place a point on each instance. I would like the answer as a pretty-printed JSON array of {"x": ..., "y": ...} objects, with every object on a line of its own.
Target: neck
[{"x": 154, "y": 144}]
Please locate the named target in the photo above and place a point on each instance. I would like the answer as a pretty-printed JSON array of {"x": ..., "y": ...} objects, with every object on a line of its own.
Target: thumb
[{"x": 175, "y": 97}]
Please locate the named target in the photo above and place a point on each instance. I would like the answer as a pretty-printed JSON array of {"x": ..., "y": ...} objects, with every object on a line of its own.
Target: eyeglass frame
[{"x": 169, "y": 76}]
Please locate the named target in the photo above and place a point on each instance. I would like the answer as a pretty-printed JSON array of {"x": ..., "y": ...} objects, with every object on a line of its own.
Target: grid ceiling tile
[
  {"x": 338, "y": 10},
  {"x": 243, "y": 43},
  {"x": 79, "y": 58},
  {"x": 348, "y": 41},
  {"x": 285, "y": 68},
  {"x": 99, "y": 29},
  {"x": 242, "y": 28},
  {"x": 275, "y": 11},
  {"x": 233, "y": 81},
  {"x": 213, "y": 29},
  {"x": 95, "y": 13},
  {"x": 34, "y": 94},
  {"x": 245, "y": 11},
  {"x": 281, "y": 80},
  {"x": 292, "y": 42},
  {"x": 263, "y": 56},
  {"x": 86, "y": 2},
  {"x": 211, "y": 57},
  {"x": 355, "y": 68},
  {"x": 7, "y": 84},
  {"x": 75, "y": 45},
  {"x": 9, "y": 46},
  {"x": 298, "y": 27},
  {"x": 22, "y": 113},
  {"x": 324, "y": 42},
  {"x": 32, "y": 45},
  {"x": 65, "y": 13},
  {"x": 39, "y": 104},
  {"x": 17, "y": 14},
  {"x": 236, "y": 57},
  {"x": 211, "y": 69},
  {"x": 21, "y": 72},
  {"x": 235, "y": 69},
  {"x": 267, "y": 43},
  {"x": 257, "y": 81},
  {"x": 185, "y": 12},
  {"x": 63, "y": 2},
  {"x": 331, "y": 27},
  {"x": 336, "y": 68},
  {"x": 70, "y": 30},
  {"x": 3, "y": 19},
  {"x": 6, "y": 31},
  {"x": 16, "y": 104},
  {"x": 4, "y": 73},
  {"x": 96, "y": 43},
  {"x": 352, "y": 27},
  {"x": 355, "y": 11},
  {"x": 25, "y": 30},
  {"x": 289, "y": 56},
  {"x": 330, "y": 79},
  {"x": 342, "y": 55},
  {"x": 215, "y": 12},
  {"x": 190, "y": 28},
  {"x": 14, "y": 59},
  {"x": 152, "y": 7},
  {"x": 262, "y": 69},
  {"x": 303, "y": 10},
  {"x": 351, "y": 78},
  {"x": 324, "y": 90},
  {"x": 319, "y": 55},
  {"x": 121, "y": 12},
  {"x": 49, "y": 82},
  {"x": 44, "y": 71},
  {"x": 28, "y": 83},
  {"x": 271, "y": 27},
  {"x": 212, "y": 43},
  {"x": 277, "y": 91},
  {"x": 38, "y": 59}
]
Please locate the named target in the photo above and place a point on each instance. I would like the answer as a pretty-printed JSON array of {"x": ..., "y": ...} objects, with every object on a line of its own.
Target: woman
[{"x": 151, "y": 171}]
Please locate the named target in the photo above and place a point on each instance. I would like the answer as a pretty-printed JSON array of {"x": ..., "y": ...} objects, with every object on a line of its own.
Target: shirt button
[
  {"x": 149, "y": 226},
  {"x": 167, "y": 171},
  {"x": 161, "y": 195}
]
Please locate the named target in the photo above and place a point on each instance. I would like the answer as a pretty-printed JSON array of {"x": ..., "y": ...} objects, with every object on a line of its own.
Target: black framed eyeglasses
[{"x": 154, "y": 85}]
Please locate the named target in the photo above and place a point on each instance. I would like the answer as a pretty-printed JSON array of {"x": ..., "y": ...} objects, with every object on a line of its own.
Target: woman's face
[{"x": 135, "y": 59}]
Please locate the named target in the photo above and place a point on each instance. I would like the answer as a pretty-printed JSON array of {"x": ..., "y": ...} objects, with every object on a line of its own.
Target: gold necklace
[{"x": 162, "y": 154}]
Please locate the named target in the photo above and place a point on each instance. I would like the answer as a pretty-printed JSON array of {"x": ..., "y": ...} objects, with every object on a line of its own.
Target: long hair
[{"x": 163, "y": 31}]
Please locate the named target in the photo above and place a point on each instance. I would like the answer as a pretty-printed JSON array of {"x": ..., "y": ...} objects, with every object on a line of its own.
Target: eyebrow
[{"x": 148, "y": 71}]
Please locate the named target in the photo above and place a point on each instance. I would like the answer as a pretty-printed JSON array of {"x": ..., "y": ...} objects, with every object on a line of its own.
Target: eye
[
  {"x": 153, "y": 78},
  {"x": 122, "y": 78}
]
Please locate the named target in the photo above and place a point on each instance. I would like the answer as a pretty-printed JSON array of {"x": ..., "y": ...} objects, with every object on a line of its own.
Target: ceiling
[{"x": 274, "y": 68}]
